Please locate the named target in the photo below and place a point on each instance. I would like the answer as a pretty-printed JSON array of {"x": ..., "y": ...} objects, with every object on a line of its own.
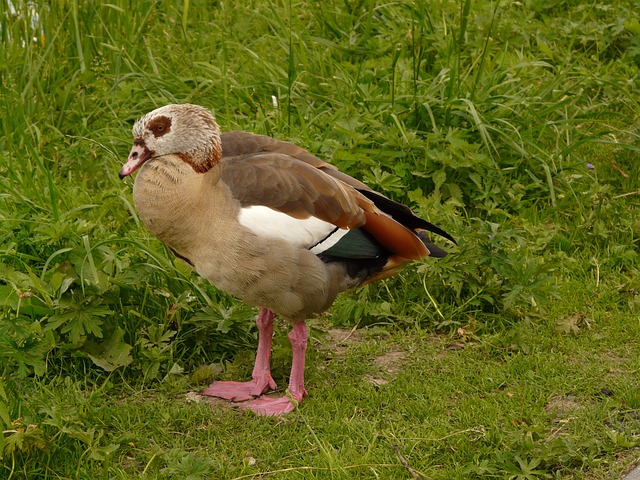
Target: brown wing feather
[
  {"x": 293, "y": 187},
  {"x": 237, "y": 142},
  {"x": 263, "y": 171}
]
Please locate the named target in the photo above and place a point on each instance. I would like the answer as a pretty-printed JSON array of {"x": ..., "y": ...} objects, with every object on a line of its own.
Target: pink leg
[
  {"x": 262, "y": 381},
  {"x": 269, "y": 406}
]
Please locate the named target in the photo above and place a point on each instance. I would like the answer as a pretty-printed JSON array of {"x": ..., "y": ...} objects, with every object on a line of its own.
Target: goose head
[{"x": 188, "y": 131}]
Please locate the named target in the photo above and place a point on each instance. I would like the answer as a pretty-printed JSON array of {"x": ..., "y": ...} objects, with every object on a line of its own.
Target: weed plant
[{"x": 513, "y": 125}]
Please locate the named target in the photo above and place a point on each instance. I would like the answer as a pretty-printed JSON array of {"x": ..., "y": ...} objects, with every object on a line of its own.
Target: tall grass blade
[
  {"x": 34, "y": 70},
  {"x": 89, "y": 258},
  {"x": 76, "y": 28},
  {"x": 485, "y": 49},
  {"x": 185, "y": 16}
]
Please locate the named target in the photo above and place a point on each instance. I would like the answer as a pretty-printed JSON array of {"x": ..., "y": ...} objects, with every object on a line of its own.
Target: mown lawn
[{"x": 514, "y": 126}]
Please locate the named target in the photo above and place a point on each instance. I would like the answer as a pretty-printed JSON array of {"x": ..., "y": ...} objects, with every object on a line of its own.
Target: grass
[{"x": 513, "y": 126}]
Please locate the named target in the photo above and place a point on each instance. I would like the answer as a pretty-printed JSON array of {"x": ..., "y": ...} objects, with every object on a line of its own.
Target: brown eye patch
[{"x": 160, "y": 126}]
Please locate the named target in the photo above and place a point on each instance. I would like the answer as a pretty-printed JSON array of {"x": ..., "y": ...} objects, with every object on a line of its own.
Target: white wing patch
[
  {"x": 311, "y": 233},
  {"x": 329, "y": 241}
]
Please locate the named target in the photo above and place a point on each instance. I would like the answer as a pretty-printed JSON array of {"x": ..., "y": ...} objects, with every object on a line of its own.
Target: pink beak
[{"x": 138, "y": 155}]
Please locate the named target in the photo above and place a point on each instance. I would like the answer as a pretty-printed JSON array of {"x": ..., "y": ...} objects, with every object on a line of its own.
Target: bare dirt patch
[
  {"x": 562, "y": 405},
  {"x": 385, "y": 367},
  {"x": 338, "y": 340},
  {"x": 388, "y": 366}
]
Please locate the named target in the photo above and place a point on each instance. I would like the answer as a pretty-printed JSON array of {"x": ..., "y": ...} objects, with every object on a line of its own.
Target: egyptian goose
[{"x": 268, "y": 222}]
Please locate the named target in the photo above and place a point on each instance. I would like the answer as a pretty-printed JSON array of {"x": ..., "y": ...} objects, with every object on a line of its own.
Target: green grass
[{"x": 512, "y": 125}]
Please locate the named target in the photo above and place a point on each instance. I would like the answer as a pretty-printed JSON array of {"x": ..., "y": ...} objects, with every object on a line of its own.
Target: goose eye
[{"x": 160, "y": 126}]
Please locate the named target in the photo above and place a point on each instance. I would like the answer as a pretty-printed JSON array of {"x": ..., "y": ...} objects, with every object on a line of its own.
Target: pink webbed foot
[
  {"x": 272, "y": 406},
  {"x": 262, "y": 381},
  {"x": 240, "y": 391},
  {"x": 269, "y": 406}
]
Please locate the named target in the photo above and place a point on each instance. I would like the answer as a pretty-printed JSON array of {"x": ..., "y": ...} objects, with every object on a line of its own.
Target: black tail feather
[
  {"x": 434, "y": 250},
  {"x": 404, "y": 215}
]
